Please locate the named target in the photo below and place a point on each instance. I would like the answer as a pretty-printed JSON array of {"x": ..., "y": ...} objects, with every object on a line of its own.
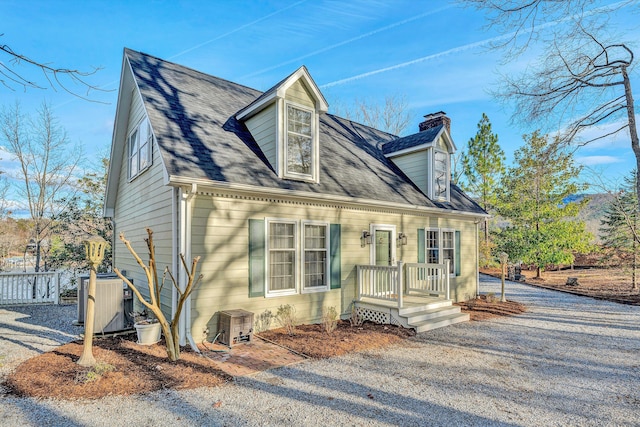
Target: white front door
[{"x": 383, "y": 245}]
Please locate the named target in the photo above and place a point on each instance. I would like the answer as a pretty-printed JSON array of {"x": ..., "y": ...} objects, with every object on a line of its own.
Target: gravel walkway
[{"x": 567, "y": 361}]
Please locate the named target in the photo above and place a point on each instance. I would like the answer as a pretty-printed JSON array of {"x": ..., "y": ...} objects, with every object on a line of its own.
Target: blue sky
[{"x": 432, "y": 52}]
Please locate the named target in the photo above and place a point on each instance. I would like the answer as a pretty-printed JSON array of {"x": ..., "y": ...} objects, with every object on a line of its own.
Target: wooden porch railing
[
  {"x": 380, "y": 282},
  {"x": 29, "y": 288},
  {"x": 392, "y": 283},
  {"x": 429, "y": 279}
]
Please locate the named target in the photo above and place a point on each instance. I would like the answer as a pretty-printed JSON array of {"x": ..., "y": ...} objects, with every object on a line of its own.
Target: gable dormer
[
  {"x": 425, "y": 157},
  {"x": 284, "y": 121}
]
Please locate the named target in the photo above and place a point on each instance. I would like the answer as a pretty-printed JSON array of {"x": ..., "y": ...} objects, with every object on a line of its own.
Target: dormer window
[
  {"x": 299, "y": 142},
  {"x": 441, "y": 175},
  {"x": 284, "y": 121}
]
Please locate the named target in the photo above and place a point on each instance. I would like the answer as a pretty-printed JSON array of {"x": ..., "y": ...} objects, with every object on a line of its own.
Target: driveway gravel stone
[{"x": 567, "y": 361}]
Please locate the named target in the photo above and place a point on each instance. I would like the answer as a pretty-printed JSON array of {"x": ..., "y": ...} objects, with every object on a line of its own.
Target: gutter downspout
[
  {"x": 175, "y": 247},
  {"x": 477, "y": 260},
  {"x": 184, "y": 325}
]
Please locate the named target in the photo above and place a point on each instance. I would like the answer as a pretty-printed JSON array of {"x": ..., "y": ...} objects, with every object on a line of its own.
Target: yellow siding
[
  {"x": 220, "y": 237},
  {"x": 299, "y": 94},
  {"x": 415, "y": 166},
  {"x": 263, "y": 129},
  {"x": 143, "y": 202},
  {"x": 440, "y": 144}
]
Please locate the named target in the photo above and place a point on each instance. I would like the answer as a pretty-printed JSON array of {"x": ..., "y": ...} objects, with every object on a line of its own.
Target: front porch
[{"x": 410, "y": 295}]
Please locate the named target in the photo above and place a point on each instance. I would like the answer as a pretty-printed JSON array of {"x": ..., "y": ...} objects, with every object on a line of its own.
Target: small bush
[
  {"x": 471, "y": 301},
  {"x": 356, "y": 318},
  {"x": 491, "y": 297},
  {"x": 329, "y": 319},
  {"x": 263, "y": 321},
  {"x": 286, "y": 317},
  {"x": 95, "y": 373}
]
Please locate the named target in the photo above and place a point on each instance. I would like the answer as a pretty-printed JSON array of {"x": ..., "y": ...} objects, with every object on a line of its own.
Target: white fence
[
  {"x": 429, "y": 279},
  {"x": 29, "y": 288},
  {"x": 380, "y": 282}
]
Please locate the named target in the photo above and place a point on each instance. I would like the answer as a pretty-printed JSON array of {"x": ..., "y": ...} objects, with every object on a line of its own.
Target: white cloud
[{"x": 597, "y": 160}]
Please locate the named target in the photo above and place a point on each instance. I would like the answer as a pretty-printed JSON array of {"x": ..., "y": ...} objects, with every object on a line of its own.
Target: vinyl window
[
  {"x": 299, "y": 158},
  {"x": 140, "y": 148}
]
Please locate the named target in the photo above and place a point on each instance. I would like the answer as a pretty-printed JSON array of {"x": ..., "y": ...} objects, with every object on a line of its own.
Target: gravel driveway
[{"x": 567, "y": 361}]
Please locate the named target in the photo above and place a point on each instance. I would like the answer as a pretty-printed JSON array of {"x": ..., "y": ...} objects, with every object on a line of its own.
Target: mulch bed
[
  {"x": 130, "y": 369},
  {"x": 487, "y": 306},
  {"x": 314, "y": 342}
]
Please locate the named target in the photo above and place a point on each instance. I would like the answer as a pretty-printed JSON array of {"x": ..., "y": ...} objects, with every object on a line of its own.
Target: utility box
[
  {"x": 235, "y": 327},
  {"x": 114, "y": 303}
]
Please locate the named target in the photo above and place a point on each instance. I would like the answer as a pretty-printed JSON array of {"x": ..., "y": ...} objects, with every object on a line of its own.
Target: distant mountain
[{"x": 593, "y": 211}]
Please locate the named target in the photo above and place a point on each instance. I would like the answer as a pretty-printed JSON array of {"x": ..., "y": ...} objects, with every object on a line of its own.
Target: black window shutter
[
  {"x": 335, "y": 263},
  {"x": 256, "y": 258}
]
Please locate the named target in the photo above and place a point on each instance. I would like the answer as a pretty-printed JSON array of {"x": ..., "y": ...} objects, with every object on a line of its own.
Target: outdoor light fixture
[
  {"x": 365, "y": 238},
  {"x": 402, "y": 239}
]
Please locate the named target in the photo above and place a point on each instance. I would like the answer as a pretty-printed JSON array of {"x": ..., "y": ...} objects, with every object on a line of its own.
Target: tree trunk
[
  {"x": 633, "y": 131},
  {"x": 538, "y": 272}
]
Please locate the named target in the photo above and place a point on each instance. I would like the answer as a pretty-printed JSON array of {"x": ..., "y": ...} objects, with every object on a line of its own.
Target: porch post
[
  {"x": 359, "y": 281},
  {"x": 446, "y": 277},
  {"x": 400, "y": 283}
]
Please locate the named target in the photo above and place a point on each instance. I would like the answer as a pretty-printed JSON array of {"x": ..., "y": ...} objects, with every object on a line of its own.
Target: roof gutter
[{"x": 279, "y": 192}]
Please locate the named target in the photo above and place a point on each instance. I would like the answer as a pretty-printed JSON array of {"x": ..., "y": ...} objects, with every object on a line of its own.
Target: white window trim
[
  {"x": 151, "y": 137},
  {"x": 441, "y": 232},
  {"x": 296, "y": 274},
  {"x": 327, "y": 272},
  {"x": 315, "y": 150},
  {"x": 447, "y": 176}
]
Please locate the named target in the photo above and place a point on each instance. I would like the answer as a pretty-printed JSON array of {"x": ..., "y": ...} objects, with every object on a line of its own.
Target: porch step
[
  {"x": 421, "y": 314},
  {"x": 429, "y": 306},
  {"x": 430, "y": 314},
  {"x": 440, "y": 322}
]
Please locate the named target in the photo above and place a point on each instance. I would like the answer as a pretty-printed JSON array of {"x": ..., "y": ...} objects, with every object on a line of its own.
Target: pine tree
[
  {"x": 619, "y": 227},
  {"x": 483, "y": 164},
  {"x": 535, "y": 198}
]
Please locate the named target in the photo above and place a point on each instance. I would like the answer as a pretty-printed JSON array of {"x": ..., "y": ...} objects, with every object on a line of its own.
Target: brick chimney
[{"x": 435, "y": 119}]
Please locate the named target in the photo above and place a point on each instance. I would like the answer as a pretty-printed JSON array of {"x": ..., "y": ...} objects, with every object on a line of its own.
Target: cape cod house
[{"x": 285, "y": 203}]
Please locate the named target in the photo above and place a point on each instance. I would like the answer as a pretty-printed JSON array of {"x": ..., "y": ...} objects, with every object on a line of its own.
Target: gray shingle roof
[
  {"x": 192, "y": 116},
  {"x": 410, "y": 141}
]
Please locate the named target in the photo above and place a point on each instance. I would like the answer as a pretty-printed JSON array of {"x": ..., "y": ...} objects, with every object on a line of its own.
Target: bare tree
[
  {"x": 47, "y": 162},
  {"x": 581, "y": 80},
  {"x": 67, "y": 79},
  {"x": 391, "y": 116},
  {"x": 153, "y": 302}
]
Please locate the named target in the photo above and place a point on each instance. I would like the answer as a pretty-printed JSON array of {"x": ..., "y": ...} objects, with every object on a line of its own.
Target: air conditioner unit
[{"x": 114, "y": 302}]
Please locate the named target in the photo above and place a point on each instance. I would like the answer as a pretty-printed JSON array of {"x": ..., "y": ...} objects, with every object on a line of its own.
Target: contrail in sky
[
  {"x": 461, "y": 48},
  {"x": 242, "y": 27},
  {"x": 228, "y": 33},
  {"x": 351, "y": 40}
]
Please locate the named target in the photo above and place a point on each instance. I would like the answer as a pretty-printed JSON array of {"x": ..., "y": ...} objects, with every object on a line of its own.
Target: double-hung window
[
  {"x": 297, "y": 264},
  {"x": 440, "y": 246},
  {"x": 281, "y": 262},
  {"x": 316, "y": 255},
  {"x": 140, "y": 146},
  {"x": 441, "y": 175},
  {"x": 299, "y": 156}
]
